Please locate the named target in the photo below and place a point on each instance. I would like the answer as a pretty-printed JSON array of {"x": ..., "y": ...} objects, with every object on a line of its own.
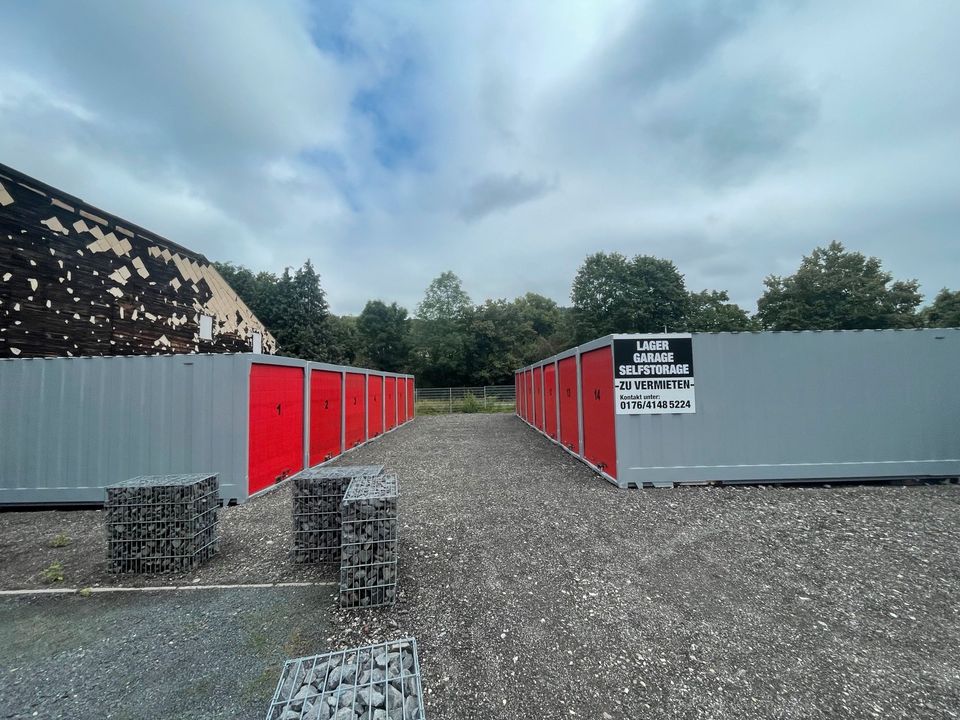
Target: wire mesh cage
[
  {"x": 161, "y": 523},
  {"x": 317, "y": 494},
  {"x": 368, "y": 548},
  {"x": 373, "y": 682}
]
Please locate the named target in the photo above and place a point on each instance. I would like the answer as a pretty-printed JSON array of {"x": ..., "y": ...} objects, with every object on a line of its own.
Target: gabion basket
[
  {"x": 368, "y": 547},
  {"x": 317, "y": 494},
  {"x": 373, "y": 682},
  {"x": 161, "y": 523}
]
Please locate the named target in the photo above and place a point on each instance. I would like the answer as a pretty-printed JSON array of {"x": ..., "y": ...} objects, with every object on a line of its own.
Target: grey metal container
[
  {"x": 72, "y": 426},
  {"x": 778, "y": 407}
]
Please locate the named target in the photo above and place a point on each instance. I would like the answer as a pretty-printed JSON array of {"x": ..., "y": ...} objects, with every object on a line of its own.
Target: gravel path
[
  {"x": 536, "y": 590},
  {"x": 186, "y": 655},
  {"x": 255, "y": 541}
]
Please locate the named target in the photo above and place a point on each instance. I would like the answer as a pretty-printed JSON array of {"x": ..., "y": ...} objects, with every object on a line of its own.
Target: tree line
[{"x": 451, "y": 341}]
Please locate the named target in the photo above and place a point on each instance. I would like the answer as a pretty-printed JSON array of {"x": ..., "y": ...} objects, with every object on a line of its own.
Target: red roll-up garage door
[
  {"x": 538, "y": 398},
  {"x": 599, "y": 440},
  {"x": 326, "y": 393},
  {"x": 529, "y": 395},
  {"x": 401, "y": 401},
  {"x": 275, "y": 448},
  {"x": 355, "y": 409},
  {"x": 550, "y": 400},
  {"x": 569, "y": 422},
  {"x": 516, "y": 393},
  {"x": 411, "y": 394},
  {"x": 374, "y": 405},
  {"x": 390, "y": 402}
]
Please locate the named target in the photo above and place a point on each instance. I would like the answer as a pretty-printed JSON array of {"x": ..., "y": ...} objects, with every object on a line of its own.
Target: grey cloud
[
  {"x": 667, "y": 41},
  {"x": 728, "y": 129},
  {"x": 664, "y": 103},
  {"x": 729, "y": 136},
  {"x": 497, "y": 193}
]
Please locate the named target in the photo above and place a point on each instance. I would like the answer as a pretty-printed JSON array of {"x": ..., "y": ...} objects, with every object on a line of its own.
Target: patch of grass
[
  {"x": 296, "y": 645},
  {"x": 85, "y": 592},
  {"x": 202, "y": 688},
  {"x": 437, "y": 407},
  {"x": 471, "y": 404},
  {"x": 263, "y": 685},
  {"x": 53, "y": 573},
  {"x": 60, "y": 540},
  {"x": 259, "y": 642}
]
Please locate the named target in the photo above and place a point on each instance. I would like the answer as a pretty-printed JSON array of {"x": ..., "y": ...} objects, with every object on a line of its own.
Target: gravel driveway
[{"x": 537, "y": 590}]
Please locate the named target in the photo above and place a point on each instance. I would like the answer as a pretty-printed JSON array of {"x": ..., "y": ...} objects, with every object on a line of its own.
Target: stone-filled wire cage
[
  {"x": 368, "y": 547},
  {"x": 373, "y": 682},
  {"x": 161, "y": 523},
  {"x": 317, "y": 494}
]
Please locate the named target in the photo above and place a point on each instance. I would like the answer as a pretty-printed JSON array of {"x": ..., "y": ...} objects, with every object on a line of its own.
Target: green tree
[
  {"x": 712, "y": 311},
  {"x": 304, "y": 328},
  {"x": 834, "y": 289},
  {"x": 944, "y": 312},
  {"x": 345, "y": 344},
  {"x": 444, "y": 299},
  {"x": 384, "y": 334},
  {"x": 294, "y": 309},
  {"x": 440, "y": 341},
  {"x": 612, "y": 294},
  {"x": 499, "y": 336}
]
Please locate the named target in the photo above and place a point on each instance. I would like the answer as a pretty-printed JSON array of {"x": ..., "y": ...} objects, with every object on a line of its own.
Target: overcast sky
[{"x": 504, "y": 141}]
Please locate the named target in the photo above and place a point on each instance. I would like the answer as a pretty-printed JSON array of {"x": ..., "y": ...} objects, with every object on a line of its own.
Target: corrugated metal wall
[
  {"x": 74, "y": 425},
  {"x": 807, "y": 405}
]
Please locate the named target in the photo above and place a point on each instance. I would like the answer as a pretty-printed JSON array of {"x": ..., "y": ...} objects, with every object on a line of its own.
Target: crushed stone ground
[{"x": 537, "y": 590}]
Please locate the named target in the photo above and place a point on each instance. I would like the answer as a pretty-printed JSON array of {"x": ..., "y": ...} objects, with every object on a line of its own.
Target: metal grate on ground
[
  {"x": 161, "y": 523},
  {"x": 368, "y": 548},
  {"x": 374, "y": 681},
  {"x": 317, "y": 494}
]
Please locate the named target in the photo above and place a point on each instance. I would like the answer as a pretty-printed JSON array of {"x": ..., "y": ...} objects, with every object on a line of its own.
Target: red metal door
[
  {"x": 355, "y": 409},
  {"x": 275, "y": 449},
  {"x": 550, "y": 400},
  {"x": 411, "y": 395},
  {"x": 538, "y": 398},
  {"x": 599, "y": 439},
  {"x": 374, "y": 405},
  {"x": 569, "y": 422},
  {"x": 390, "y": 402},
  {"x": 516, "y": 393},
  {"x": 326, "y": 404},
  {"x": 401, "y": 401},
  {"x": 529, "y": 396}
]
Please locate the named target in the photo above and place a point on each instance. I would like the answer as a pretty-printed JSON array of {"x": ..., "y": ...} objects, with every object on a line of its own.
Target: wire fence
[{"x": 488, "y": 399}]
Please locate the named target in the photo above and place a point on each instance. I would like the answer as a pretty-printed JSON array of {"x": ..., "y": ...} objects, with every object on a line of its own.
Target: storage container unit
[
  {"x": 516, "y": 393},
  {"x": 355, "y": 413},
  {"x": 529, "y": 396},
  {"x": 411, "y": 396},
  {"x": 401, "y": 401},
  {"x": 72, "y": 426},
  {"x": 326, "y": 414},
  {"x": 666, "y": 409},
  {"x": 390, "y": 403},
  {"x": 374, "y": 405},
  {"x": 550, "y": 400},
  {"x": 569, "y": 411},
  {"x": 538, "y": 398},
  {"x": 275, "y": 428}
]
